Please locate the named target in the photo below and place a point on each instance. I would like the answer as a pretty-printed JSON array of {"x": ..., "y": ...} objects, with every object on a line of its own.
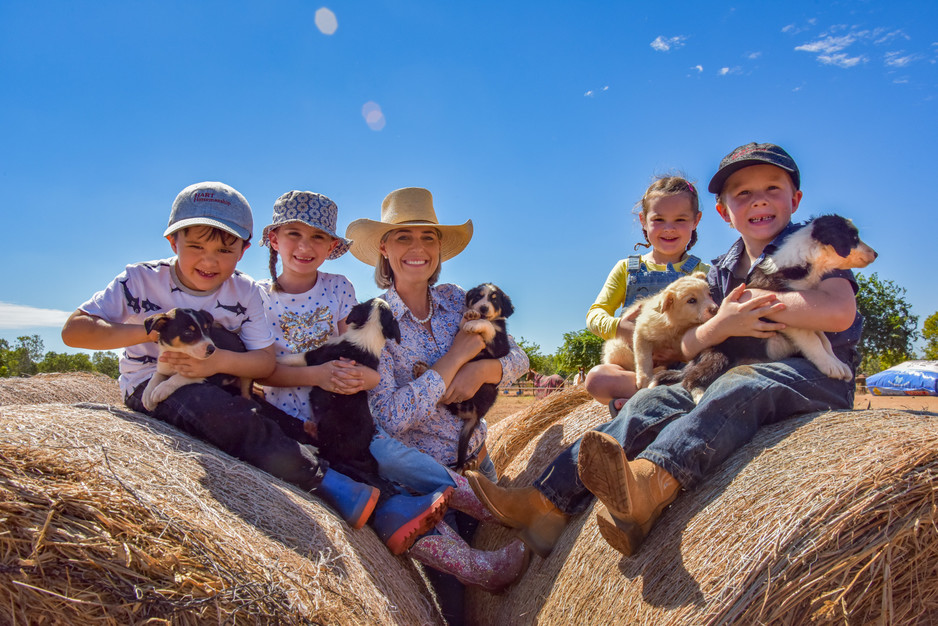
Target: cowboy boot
[
  {"x": 541, "y": 523},
  {"x": 633, "y": 493},
  {"x": 401, "y": 518},
  {"x": 465, "y": 499},
  {"x": 492, "y": 570}
]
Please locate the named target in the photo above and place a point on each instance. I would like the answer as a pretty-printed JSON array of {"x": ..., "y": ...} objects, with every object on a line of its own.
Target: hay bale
[
  {"x": 109, "y": 517},
  {"x": 67, "y": 388},
  {"x": 827, "y": 518},
  {"x": 510, "y": 435}
]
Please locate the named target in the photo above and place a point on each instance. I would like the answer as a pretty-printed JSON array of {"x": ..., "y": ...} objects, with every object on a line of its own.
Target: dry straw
[
  {"x": 829, "y": 518},
  {"x": 108, "y": 517},
  {"x": 70, "y": 387}
]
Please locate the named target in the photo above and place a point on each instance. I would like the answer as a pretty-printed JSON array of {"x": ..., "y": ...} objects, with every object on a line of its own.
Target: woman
[{"x": 407, "y": 247}]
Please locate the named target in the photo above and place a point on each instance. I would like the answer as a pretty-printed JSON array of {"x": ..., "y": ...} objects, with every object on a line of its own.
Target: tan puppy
[{"x": 660, "y": 322}]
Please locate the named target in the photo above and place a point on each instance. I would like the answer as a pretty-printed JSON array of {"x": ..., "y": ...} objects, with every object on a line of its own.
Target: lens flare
[
  {"x": 373, "y": 115},
  {"x": 326, "y": 22}
]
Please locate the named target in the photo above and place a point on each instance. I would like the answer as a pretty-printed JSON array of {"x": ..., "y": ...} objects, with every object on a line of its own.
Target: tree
[
  {"x": 543, "y": 364},
  {"x": 21, "y": 358},
  {"x": 930, "y": 334},
  {"x": 580, "y": 349},
  {"x": 889, "y": 327},
  {"x": 64, "y": 362},
  {"x": 107, "y": 363}
]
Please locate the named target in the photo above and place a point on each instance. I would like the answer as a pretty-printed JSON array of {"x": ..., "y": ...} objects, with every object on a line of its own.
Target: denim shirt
[{"x": 723, "y": 280}]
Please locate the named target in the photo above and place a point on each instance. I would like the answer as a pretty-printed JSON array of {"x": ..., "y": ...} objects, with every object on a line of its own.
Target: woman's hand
[
  {"x": 346, "y": 377},
  {"x": 466, "y": 382}
]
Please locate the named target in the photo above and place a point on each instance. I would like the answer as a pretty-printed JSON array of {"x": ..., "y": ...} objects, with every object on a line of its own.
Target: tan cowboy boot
[
  {"x": 492, "y": 570},
  {"x": 633, "y": 493},
  {"x": 541, "y": 523},
  {"x": 465, "y": 499}
]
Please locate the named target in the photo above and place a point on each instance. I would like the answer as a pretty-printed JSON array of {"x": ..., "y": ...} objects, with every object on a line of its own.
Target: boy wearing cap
[
  {"x": 209, "y": 229},
  {"x": 661, "y": 440}
]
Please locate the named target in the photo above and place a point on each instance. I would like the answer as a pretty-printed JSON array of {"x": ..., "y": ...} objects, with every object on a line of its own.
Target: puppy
[
  {"x": 824, "y": 244},
  {"x": 487, "y": 306},
  {"x": 662, "y": 319},
  {"x": 197, "y": 334},
  {"x": 345, "y": 423}
]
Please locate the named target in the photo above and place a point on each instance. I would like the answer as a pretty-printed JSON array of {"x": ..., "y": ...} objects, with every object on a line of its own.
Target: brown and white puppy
[
  {"x": 824, "y": 244},
  {"x": 662, "y": 319},
  {"x": 196, "y": 334}
]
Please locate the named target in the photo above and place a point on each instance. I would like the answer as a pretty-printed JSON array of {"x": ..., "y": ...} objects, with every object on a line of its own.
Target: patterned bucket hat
[{"x": 312, "y": 209}]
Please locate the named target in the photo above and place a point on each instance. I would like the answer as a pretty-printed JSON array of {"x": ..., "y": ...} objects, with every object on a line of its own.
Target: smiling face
[
  {"x": 758, "y": 201},
  {"x": 302, "y": 248},
  {"x": 413, "y": 254},
  {"x": 668, "y": 223},
  {"x": 205, "y": 257}
]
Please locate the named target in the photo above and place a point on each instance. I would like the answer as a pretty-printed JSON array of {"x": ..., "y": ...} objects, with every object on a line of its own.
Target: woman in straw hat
[{"x": 407, "y": 247}]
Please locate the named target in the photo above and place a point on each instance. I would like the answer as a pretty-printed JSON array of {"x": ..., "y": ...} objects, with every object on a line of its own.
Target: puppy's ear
[
  {"x": 156, "y": 321},
  {"x": 359, "y": 314},
  {"x": 389, "y": 326},
  {"x": 205, "y": 318},
  {"x": 699, "y": 275},
  {"x": 837, "y": 232},
  {"x": 507, "y": 307},
  {"x": 665, "y": 302},
  {"x": 473, "y": 295}
]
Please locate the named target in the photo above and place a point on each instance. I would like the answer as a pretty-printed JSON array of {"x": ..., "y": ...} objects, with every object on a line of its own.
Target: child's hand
[
  {"x": 741, "y": 312},
  {"x": 347, "y": 377},
  {"x": 192, "y": 367}
]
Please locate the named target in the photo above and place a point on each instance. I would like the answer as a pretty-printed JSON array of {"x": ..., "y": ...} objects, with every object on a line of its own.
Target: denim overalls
[{"x": 643, "y": 282}]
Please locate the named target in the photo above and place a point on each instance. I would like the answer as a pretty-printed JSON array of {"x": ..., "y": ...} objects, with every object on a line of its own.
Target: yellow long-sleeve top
[{"x": 601, "y": 319}]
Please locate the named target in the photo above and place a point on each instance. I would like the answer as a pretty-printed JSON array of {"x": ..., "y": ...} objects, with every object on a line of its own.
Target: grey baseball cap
[
  {"x": 211, "y": 204},
  {"x": 754, "y": 154}
]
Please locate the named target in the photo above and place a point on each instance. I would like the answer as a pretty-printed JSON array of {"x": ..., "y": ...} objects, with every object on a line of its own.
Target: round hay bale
[
  {"x": 109, "y": 517},
  {"x": 507, "y": 437},
  {"x": 826, "y": 518},
  {"x": 65, "y": 388}
]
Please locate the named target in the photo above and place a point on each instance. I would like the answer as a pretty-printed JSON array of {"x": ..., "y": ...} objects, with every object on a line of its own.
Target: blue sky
[{"x": 542, "y": 121}]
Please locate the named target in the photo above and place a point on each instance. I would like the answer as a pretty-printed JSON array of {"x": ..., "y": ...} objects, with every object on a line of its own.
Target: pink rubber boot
[
  {"x": 465, "y": 499},
  {"x": 492, "y": 570}
]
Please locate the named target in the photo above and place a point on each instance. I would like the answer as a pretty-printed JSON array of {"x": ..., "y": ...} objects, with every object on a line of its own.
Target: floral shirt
[{"x": 407, "y": 407}]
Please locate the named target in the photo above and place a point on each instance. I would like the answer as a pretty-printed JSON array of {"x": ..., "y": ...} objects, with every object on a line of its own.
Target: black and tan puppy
[
  {"x": 824, "y": 244},
  {"x": 487, "y": 306},
  {"x": 345, "y": 424},
  {"x": 197, "y": 334}
]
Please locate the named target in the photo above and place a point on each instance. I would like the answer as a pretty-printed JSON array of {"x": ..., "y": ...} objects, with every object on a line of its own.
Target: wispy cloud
[
  {"x": 13, "y": 316},
  {"x": 831, "y": 47},
  {"x": 664, "y": 44},
  {"x": 593, "y": 92},
  {"x": 828, "y": 45},
  {"x": 724, "y": 71},
  {"x": 794, "y": 29},
  {"x": 898, "y": 58},
  {"x": 699, "y": 68},
  {"x": 841, "y": 60},
  {"x": 752, "y": 56}
]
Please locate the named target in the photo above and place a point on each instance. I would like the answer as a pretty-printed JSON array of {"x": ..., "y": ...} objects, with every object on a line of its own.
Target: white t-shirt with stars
[{"x": 301, "y": 322}]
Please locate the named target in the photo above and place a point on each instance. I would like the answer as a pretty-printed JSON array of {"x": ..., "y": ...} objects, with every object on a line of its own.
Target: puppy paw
[
  {"x": 475, "y": 326},
  {"x": 835, "y": 368},
  {"x": 641, "y": 381},
  {"x": 471, "y": 314},
  {"x": 419, "y": 369}
]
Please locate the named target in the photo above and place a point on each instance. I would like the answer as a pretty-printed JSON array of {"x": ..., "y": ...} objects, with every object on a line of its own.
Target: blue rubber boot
[
  {"x": 401, "y": 519},
  {"x": 354, "y": 501}
]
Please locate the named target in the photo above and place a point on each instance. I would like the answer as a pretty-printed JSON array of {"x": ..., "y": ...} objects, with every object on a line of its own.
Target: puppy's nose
[{"x": 209, "y": 350}]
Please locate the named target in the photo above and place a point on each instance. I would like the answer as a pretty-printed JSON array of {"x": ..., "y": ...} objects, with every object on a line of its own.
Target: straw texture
[
  {"x": 109, "y": 517},
  {"x": 828, "y": 518},
  {"x": 69, "y": 387}
]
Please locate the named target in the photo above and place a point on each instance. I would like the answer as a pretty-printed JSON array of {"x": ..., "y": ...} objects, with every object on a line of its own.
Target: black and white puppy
[
  {"x": 345, "y": 423},
  {"x": 824, "y": 244},
  {"x": 197, "y": 334},
  {"x": 487, "y": 306}
]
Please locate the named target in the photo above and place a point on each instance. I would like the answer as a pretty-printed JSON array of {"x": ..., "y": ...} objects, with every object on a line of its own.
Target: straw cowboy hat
[{"x": 403, "y": 208}]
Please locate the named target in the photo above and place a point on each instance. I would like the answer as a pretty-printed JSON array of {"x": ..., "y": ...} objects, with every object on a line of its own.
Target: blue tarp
[{"x": 912, "y": 378}]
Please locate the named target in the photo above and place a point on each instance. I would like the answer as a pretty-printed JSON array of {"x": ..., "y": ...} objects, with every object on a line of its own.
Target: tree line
[{"x": 889, "y": 332}]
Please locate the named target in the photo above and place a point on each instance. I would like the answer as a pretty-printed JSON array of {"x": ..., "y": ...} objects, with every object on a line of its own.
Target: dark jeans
[
  {"x": 663, "y": 425},
  {"x": 250, "y": 430}
]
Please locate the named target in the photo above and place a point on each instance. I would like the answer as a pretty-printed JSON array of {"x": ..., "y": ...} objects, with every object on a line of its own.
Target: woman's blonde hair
[
  {"x": 384, "y": 275},
  {"x": 663, "y": 186}
]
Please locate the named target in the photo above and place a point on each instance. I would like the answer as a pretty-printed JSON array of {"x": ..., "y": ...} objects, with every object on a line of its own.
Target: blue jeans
[
  {"x": 689, "y": 441},
  {"x": 408, "y": 466}
]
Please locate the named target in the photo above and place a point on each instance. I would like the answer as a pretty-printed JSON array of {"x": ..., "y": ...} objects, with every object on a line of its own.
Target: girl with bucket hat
[
  {"x": 305, "y": 307},
  {"x": 407, "y": 247}
]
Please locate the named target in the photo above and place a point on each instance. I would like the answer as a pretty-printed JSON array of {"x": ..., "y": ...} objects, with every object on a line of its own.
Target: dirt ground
[{"x": 506, "y": 405}]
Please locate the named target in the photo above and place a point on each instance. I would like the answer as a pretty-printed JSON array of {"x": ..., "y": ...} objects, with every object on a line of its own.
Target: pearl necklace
[{"x": 430, "y": 305}]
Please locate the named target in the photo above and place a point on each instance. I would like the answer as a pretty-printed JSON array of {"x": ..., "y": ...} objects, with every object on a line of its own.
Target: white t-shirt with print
[
  {"x": 301, "y": 322},
  {"x": 144, "y": 289}
]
